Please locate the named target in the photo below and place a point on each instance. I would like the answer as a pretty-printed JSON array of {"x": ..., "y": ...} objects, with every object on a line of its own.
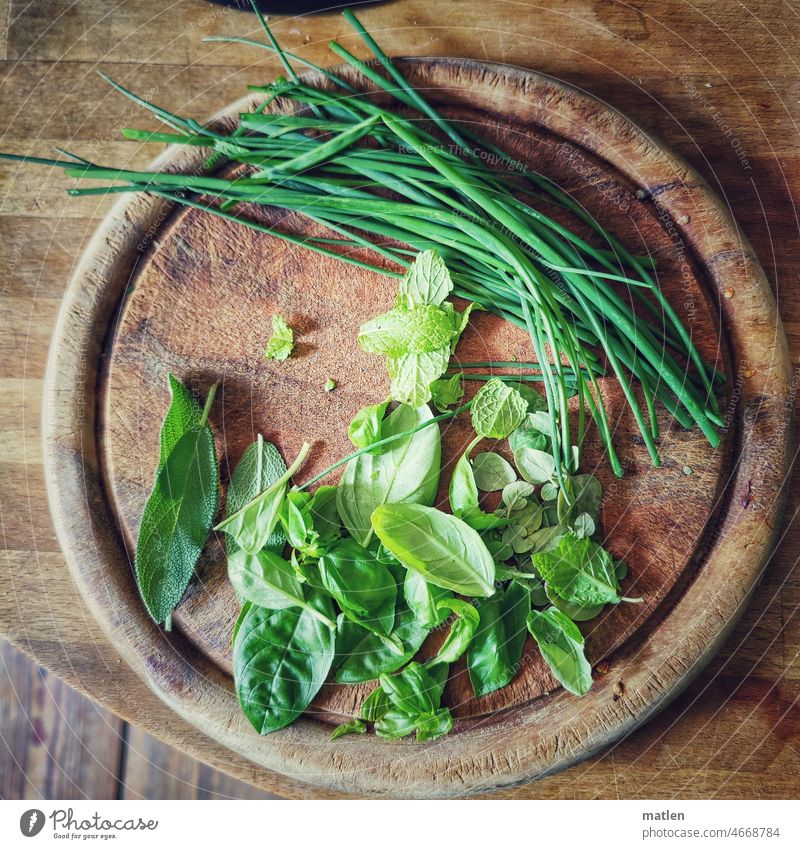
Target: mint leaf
[
  {"x": 281, "y": 343},
  {"x": 426, "y": 282},
  {"x": 561, "y": 645},
  {"x": 497, "y": 410},
  {"x": 580, "y": 571}
]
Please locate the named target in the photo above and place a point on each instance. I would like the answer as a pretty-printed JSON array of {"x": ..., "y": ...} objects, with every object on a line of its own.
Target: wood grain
[{"x": 707, "y": 742}]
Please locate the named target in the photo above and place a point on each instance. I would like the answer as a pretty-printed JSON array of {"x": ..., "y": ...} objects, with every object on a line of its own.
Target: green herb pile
[
  {"x": 400, "y": 179},
  {"x": 347, "y": 582}
]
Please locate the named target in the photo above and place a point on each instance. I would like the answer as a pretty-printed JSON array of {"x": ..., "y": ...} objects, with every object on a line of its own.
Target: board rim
[{"x": 481, "y": 758}]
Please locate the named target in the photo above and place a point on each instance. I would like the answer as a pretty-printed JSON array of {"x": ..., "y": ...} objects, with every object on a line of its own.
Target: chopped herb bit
[
  {"x": 281, "y": 343},
  {"x": 330, "y": 384}
]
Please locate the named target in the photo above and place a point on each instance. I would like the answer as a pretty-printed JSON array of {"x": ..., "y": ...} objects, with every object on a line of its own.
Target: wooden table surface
[{"x": 717, "y": 80}]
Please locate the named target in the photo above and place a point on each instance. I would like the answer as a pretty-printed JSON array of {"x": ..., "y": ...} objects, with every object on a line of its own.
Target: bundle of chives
[{"x": 359, "y": 168}]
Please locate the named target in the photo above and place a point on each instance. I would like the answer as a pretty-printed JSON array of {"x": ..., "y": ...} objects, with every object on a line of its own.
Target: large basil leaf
[
  {"x": 561, "y": 645},
  {"x": 266, "y": 579},
  {"x": 361, "y": 655},
  {"x": 363, "y": 587},
  {"x": 423, "y": 598},
  {"x": 408, "y": 470},
  {"x": 441, "y": 547},
  {"x": 580, "y": 571},
  {"x": 176, "y": 522},
  {"x": 495, "y": 652},
  {"x": 259, "y": 467},
  {"x": 281, "y": 658}
]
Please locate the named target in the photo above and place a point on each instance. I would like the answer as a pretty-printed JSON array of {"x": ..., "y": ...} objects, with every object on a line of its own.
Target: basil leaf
[
  {"x": 354, "y": 727},
  {"x": 497, "y": 410},
  {"x": 423, "y": 599},
  {"x": 259, "y": 467},
  {"x": 495, "y": 652},
  {"x": 176, "y": 522},
  {"x": 492, "y": 472},
  {"x": 461, "y": 631},
  {"x": 281, "y": 659},
  {"x": 266, "y": 579},
  {"x": 412, "y": 375},
  {"x": 183, "y": 415},
  {"x": 364, "y": 588},
  {"x": 464, "y": 497},
  {"x": 441, "y": 547},
  {"x": 367, "y": 427},
  {"x": 432, "y": 725},
  {"x": 535, "y": 466},
  {"x": 420, "y": 329},
  {"x": 427, "y": 281},
  {"x": 281, "y": 342},
  {"x": 580, "y": 571},
  {"x": 447, "y": 391},
  {"x": 408, "y": 470},
  {"x": 361, "y": 655},
  {"x": 252, "y": 525},
  {"x": 561, "y": 645},
  {"x": 527, "y": 437},
  {"x": 325, "y": 515},
  {"x": 413, "y": 690}
]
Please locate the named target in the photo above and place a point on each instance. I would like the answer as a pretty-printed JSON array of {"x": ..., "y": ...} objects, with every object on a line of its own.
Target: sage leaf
[
  {"x": 494, "y": 655},
  {"x": 497, "y": 410},
  {"x": 260, "y": 466},
  {"x": 252, "y": 525},
  {"x": 267, "y": 580},
  {"x": 407, "y": 470},
  {"x": 281, "y": 659},
  {"x": 561, "y": 645},
  {"x": 447, "y": 391},
  {"x": 492, "y": 472},
  {"x": 361, "y": 585},
  {"x": 177, "y": 519},
  {"x": 442, "y": 548}
]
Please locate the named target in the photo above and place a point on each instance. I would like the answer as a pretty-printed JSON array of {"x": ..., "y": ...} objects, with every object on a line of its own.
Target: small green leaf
[
  {"x": 442, "y": 548},
  {"x": 447, "y": 391},
  {"x": 561, "y": 645},
  {"x": 281, "y": 343},
  {"x": 253, "y": 524},
  {"x": 330, "y": 384},
  {"x": 461, "y": 631},
  {"x": 535, "y": 466},
  {"x": 356, "y": 726},
  {"x": 423, "y": 598},
  {"x": 427, "y": 281},
  {"x": 580, "y": 571},
  {"x": 515, "y": 496},
  {"x": 497, "y": 410},
  {"x": 492, "y": 472}
]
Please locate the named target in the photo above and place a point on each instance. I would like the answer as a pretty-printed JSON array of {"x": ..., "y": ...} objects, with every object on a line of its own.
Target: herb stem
[{"x": 209, "y": 401}]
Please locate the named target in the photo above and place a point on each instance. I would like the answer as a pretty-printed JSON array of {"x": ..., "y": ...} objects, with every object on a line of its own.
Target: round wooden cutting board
[{"x": 168, "y": 290}]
